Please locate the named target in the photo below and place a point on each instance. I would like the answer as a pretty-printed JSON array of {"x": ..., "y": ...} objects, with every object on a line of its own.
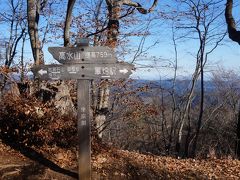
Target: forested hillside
[{"x": 119, "y": 89}]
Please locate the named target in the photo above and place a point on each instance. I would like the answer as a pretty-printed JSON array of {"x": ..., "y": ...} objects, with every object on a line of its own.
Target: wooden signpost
[{"x": 84, "y": 64}]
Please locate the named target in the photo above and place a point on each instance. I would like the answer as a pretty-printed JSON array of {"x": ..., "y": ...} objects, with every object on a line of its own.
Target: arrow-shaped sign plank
[
  {"x": 83, "y": 55},
  {"x": 83, "y": 71}
]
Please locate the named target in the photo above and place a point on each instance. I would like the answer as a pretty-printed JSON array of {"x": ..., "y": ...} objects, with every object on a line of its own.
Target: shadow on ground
[{"x": 38, "y": 168}]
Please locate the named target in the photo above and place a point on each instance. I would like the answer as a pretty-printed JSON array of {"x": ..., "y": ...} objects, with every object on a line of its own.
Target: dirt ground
[
  {"x": 109, "y": 163},
  {"x": 16, "y": 164}
]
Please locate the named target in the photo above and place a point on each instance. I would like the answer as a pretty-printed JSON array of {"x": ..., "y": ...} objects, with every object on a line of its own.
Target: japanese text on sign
[
  {"x": 54, "y": 72},
  {"x": 107, "y": 71},
  {"x": 78, "y": 55},
  {"x": 83, "y": 116},
  {"x": 73, "y": 69}
]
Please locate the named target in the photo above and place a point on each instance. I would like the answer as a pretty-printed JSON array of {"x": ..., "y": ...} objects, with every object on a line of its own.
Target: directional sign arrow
[
  {"x": 83, "y": 71},
  {"x": 124, "y": 71},
  {"x": 41, "y": 72},
  {"x": 83, "y": 55}
]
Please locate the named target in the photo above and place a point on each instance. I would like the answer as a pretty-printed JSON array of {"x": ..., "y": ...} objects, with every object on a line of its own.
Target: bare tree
[
  {"x": 16, "y": 18},
  {"x": 114, "y": 15},
  {"x": 227, "y": 88},
  {"x": 234, "y": 35},
  {"x": 202, "y": 20}
]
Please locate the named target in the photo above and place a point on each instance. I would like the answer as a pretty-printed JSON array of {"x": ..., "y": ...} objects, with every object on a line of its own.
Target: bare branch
[
  {"x": 43, "y": 4},
  {"x": 129, "y": 11},
  {"x": 97, "y": 32},
  {"x": 139, "y": 6}
]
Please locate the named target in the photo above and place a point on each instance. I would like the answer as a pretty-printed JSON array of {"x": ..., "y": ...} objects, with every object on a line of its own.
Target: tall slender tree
[
  {"x": 202, "y": 20},
  {"x": 234, "y": 35},
  {"x": 16, "y": 18},
  {"x": 114, "y": 15}
]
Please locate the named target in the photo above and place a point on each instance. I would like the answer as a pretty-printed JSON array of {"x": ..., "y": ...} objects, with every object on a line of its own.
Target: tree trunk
[
  {"x": 62, "y": 99},
  {"x": 114, "y": 13},
  {"x": 235, "y": 36},
  {"x": 232, "y": 31},
  {"x": 114, "y": 10},
  {"x": 187, "y": 141},
  {"x": 200, "y": 117},
  {"x": 33, "y": 11},
  {"x": 22, "y": 58},
  {"x": 185, "y": 111},
  {"x": 68, "y": 22},
  {"x": 238, "y": 134}
]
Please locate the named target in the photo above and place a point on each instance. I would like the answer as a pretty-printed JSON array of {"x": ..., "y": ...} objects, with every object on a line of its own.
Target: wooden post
[
  {"x": 83, "y": 63},
  {"x": 84, "y": 130}
]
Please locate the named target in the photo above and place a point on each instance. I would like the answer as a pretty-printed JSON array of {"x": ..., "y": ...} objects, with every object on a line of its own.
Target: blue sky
[
  {"x": 155, "y": 64},
  {"x": 227, "y": 54}
]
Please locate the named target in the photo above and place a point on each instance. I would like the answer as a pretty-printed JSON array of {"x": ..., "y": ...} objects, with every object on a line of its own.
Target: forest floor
[{"x": 109, "y": 163}]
